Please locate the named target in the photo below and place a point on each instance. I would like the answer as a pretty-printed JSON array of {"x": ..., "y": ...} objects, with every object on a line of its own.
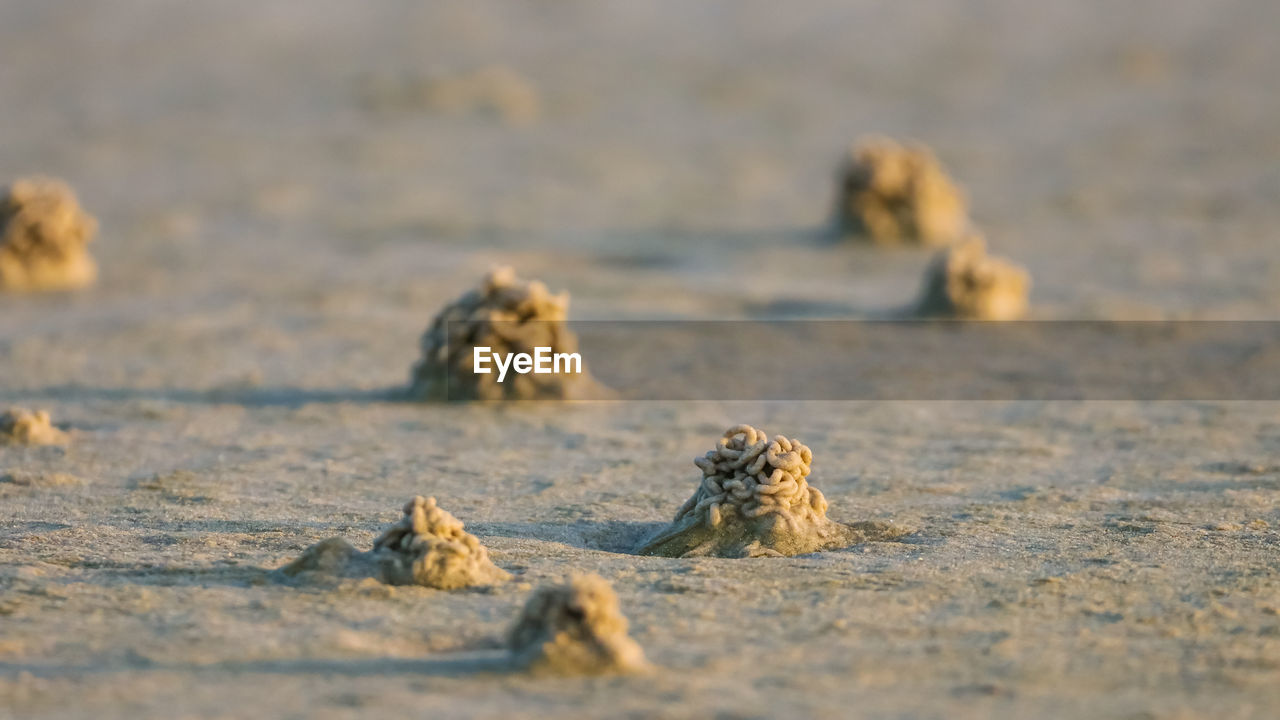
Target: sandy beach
[{"x": 288, "y": 192}]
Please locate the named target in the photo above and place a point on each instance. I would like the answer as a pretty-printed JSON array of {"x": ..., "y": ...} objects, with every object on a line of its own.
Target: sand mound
[
  {"x": 575, "y": 628},
  {"x": 26, "y": 479},
  {"x": 755, "y": 501},
  {"x": 427, "y": 547},
  {"x": 430, "y": 547},
  {"x": 19, "y": 426},
  {"x": 330, "y": 557},
  {"x": 964, "y": 282},
  {"x": 43, "y": 238},
  {"x": 889, "y": 193},
  {"x": 507, "y": 315}
]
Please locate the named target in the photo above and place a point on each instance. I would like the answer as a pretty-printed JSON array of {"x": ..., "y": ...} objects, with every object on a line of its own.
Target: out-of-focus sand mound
[
  {"x": 889, "y": 193},
  {"x": 44, "y": 235},
  {"x": 19, "y": 426}
]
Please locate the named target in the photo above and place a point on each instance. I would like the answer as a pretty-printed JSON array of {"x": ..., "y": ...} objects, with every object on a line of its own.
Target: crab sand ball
[
  {"x": 427, "y": 547},
  {"x": 889, "y": 193},
  {"x": 754, "y": 500},
  {"x": 44, "y": 236},
  {"x": 20, "y": 426},
  {"x": 574, "y": 628},
  {"x": 965, "y": 283},
  {"x": 506, "y": 340}
]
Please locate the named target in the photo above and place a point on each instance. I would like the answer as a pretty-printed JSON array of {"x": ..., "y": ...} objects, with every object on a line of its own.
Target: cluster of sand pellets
[
  {"x": 44, "y": 236},
  {"x": 19, "y": 426},
  {"x": 430, "y": 547},
  {"x": 427, "y": 547},
  {"x": 965, "y": 282},
  {"x": 754, "y": 500},
  {"x": 507, "y": 315},
  {"x": 890, "y": 193},
  {"x": 575, "y": 628}
]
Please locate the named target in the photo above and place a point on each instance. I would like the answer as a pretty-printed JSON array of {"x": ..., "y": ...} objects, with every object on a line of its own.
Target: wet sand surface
[{"x": 286, "y": 200}]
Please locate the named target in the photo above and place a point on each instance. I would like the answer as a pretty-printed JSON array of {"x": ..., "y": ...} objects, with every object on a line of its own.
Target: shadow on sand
[
  {"x": 469, "y": 662},
  {"x": 285, "y": 397},
  {"x": 455, "y": 664},
  {"x": 172, "y": 576},
  {"x": 613, "y": 536}
]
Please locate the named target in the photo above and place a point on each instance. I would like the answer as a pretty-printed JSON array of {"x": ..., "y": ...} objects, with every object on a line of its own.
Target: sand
[
  {"x": 753, "y": 500},
  {"x": 272, "y": 249},
  {"x": 966, "y": 282},
  {"x": 890, "y": 193},
  {"x": 44, "y": 237},
  {"x": 574, "y": 628},
  {"x": 20, "y": 426},
  {"x": 427, "y": 547}
]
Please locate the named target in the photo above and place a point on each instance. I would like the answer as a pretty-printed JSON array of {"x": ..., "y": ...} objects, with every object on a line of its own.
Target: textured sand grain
[{"x": 277, "y": 246}]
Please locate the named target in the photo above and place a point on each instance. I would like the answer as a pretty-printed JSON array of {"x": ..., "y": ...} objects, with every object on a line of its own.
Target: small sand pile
[
  {"x": 19, "y": 426},
  {"x": 43, "y": 238},
  {"x": 964, "y": 282},
  {"x": 430, "y": 547},
  {"x": 507, "y": 315},
  {"x": 427, "y": 547},
  {"x": 575, "y": 628},
  {"x": 754, "y": 501},
  {"x": 889, "y": 193}
]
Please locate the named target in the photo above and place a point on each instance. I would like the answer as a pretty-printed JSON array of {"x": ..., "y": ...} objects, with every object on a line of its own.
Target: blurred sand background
[{"x": 287, "y": 196}]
